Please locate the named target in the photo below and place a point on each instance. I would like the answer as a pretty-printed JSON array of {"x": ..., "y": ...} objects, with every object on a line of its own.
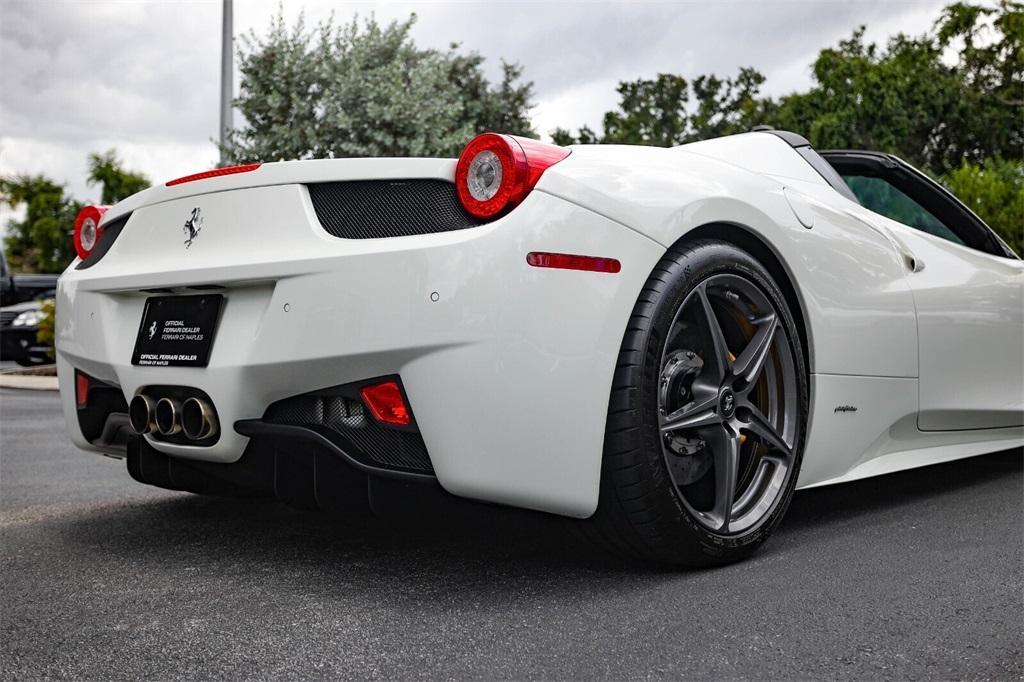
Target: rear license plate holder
[{"x": 177, "y": 331}]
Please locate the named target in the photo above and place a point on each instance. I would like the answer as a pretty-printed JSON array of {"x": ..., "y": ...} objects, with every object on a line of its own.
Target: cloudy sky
[{"x": 78, "y": 76}]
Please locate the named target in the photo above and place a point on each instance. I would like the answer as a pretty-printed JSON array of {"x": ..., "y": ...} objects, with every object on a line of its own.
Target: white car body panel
[
  {"x": 970, "y": 316},
  {"x": 384, "y": 321},
  {"x": 509, "y": 371},
  {"x": 857, "y": 303}
]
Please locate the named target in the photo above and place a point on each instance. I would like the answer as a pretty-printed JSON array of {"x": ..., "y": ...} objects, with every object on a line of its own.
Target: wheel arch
[{"x": 753, "y": 243}]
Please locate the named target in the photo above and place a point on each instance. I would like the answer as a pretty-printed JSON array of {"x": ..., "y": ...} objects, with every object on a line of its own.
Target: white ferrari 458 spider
[{"x": 664, "y": 342}]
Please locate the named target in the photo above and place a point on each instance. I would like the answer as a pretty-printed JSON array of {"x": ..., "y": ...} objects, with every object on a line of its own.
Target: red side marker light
[
  {"x": 567, "y": 261},
  {"x": 385, "y": 403},
  {"x": 215, "y": 173},
  {"x": 81, "y": 389}
]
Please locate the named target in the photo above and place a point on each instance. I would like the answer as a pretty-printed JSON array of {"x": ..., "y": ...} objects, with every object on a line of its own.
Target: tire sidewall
[{"x": 686, "y": 270}]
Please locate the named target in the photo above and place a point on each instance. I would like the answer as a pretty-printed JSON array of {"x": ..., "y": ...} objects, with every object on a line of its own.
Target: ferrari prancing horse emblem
[{"x": 193, "y": 226}]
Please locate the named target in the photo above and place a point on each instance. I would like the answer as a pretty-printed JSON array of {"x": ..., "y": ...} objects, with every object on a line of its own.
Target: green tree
[
  {"x": 894, "y": 100},
  {"x": 651, "y": 112},
  {"x": 729, "y": 106},
  {"x": 952, "y": 94},
  {"x": 117, "y": 183},
  {"x": 659, "y": 112},
  {"x": 47, "y": 334},
  {"x": 995, "y": 191},
  {"x": 41, "y": 242},
  {"x": 990, "y": 65},
  {"x": 912, "y": 100},
  {"x": 565, "y": 137},
  {"x": 364, "y": 89},
  {"x": 504, "y": 108}
]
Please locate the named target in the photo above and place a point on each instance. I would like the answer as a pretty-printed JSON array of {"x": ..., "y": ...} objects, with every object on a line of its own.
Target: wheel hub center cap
[{"x": 726, "y": 403}]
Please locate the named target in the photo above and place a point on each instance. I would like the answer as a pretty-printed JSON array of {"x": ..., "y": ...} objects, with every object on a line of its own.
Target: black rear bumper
[
  {"x": 313, "y": 450},
  {"x": 296, "y": 465}
]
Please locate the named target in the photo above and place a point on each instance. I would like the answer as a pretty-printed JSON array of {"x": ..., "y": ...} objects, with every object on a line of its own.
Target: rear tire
[{"x": 675, "y": 494}]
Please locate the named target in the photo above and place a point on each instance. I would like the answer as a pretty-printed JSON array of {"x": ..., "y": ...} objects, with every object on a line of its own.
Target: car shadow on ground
[
  {"x": 890, "y": 493},
  {"x": 483, "y": 545}
]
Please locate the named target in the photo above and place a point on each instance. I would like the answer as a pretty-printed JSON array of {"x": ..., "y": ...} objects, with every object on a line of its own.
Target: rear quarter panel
[
  {"x": 849, "y": 278},
  {"x": 855, "y": 301}
]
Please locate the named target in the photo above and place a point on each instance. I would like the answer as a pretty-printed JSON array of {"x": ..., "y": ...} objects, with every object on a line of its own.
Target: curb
[{"x": 36, "y": 383}]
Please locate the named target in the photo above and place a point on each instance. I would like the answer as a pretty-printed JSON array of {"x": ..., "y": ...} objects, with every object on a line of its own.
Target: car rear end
[{"x": 282, "y": 326}]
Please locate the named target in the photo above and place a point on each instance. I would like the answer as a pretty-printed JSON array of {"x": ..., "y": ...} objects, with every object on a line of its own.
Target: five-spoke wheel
[
  {"x": 707, "y": 411},
  {"x": 728, "y": 415}
]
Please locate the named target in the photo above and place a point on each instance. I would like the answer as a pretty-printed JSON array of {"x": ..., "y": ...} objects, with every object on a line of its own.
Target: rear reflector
[
  {"x": 566, "y": 261},
  {"x": 385, "y": 403},
  {"x": 215, "y": 173},
  {"x": 81, "y": 389}
]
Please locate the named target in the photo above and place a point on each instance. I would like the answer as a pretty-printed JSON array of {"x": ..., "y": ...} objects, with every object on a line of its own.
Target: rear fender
[{"x": 850, "y": 279}]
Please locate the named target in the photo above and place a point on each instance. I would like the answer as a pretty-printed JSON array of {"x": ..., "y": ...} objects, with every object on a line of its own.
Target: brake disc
[{"x": 692, "y": 458}]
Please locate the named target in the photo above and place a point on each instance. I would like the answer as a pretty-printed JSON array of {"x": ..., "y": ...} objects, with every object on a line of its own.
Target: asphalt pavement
[{"x": 913, "y": 575}]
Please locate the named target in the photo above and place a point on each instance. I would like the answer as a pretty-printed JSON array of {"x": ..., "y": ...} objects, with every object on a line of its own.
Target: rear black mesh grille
[
  {"x": 374, "y": 209},
  {"x": 344, "y": 421}
]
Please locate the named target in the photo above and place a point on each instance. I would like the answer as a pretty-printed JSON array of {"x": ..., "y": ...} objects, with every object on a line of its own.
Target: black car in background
[
  {"x": 22, "y": 298},
  {"x": 19, "y": 325},
  {"x": 21, "y": 288}
]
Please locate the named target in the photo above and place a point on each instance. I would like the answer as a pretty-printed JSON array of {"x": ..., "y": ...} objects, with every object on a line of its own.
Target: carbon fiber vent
[
  {"x": 374, "y": 209},
  {"x": 343, "y": 420}
]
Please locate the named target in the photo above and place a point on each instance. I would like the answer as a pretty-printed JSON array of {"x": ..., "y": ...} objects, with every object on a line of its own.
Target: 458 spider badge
[{"x": 193, "y": 226}]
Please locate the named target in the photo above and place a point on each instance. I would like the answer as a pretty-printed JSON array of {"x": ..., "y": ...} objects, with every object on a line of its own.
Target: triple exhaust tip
[{"x": 194, "y": 417}]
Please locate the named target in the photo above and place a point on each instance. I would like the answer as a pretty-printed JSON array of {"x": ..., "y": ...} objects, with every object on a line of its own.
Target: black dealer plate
[{"x": 177, "y": 331}]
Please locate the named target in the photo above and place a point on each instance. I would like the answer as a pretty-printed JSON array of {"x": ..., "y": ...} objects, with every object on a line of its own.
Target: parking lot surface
[{"x": 913, "y": 575}]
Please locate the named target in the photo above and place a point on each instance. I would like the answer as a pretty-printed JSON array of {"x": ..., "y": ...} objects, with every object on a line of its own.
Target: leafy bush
[
  {"x": 47, "y": 325},
  {"x": 41, "y": 242},
  {"x": 935, "y": 100},
  {"x": 364, "y": 89},
  {"x": 995, "y": 191}
]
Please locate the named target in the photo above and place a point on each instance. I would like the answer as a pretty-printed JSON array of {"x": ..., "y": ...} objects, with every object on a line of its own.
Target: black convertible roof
[{"x": 803, "y": 147}]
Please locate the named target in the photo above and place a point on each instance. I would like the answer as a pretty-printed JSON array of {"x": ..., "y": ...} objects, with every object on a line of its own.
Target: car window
[{"x": 879, "y": 196}]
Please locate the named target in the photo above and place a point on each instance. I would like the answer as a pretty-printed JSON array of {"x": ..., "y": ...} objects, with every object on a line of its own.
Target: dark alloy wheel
[
  {"x": 728, "y": 420},
  {"x": 707, "y": 413}
]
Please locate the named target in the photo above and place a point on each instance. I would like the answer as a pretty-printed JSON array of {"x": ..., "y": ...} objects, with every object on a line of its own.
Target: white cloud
[
  {"x": 583, "y": 104},
  {"x": 159, "y": 161},
  {"x": 143, "y": 77}
]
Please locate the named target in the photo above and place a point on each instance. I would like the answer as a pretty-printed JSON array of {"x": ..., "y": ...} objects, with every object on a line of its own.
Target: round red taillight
[
  {"x": 88, "y": 230},
  {"x": 495, "y": 172}
]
